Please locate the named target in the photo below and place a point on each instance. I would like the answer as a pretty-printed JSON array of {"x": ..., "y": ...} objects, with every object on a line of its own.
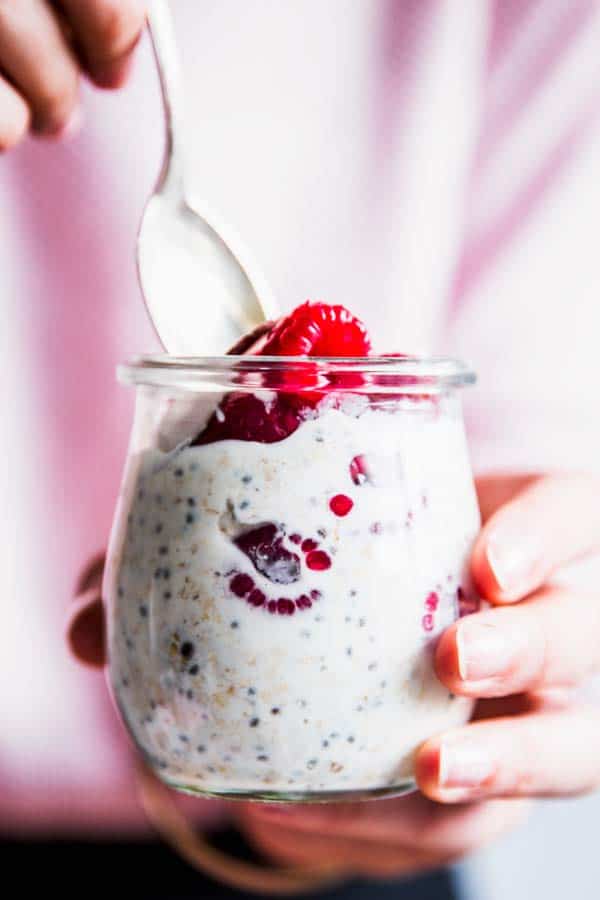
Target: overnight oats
[{"x": 292, "y": 537}]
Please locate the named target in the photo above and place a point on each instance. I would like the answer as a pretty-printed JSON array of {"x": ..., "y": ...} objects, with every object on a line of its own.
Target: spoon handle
[{"x": 164, "y": 42}]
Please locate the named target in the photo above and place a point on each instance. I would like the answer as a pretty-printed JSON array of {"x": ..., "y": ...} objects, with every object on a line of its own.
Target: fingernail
[
  {"x": 483, "y": 650},
  {"x": 511, "y": 560},
  {"x": 463, "y": 765}
]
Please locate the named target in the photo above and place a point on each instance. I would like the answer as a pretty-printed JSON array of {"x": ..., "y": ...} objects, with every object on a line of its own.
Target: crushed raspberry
[
  {"x": 264, "y": 548},
  {"x": 359, "y": 470},
  {"x": 246, "y": 417},
  {"x": 256, "y": 598},
  {"x": 296, "y": 538},
  {"x": 432, "y": 602},
  {"x": 318, "y": 560},
  {"x": 308, "y": 544},
  {"x": 316, "y": 329},
  {"x": 286, "y": 607},
  {"x": 341, "y": 505},
  {"x": 427, "y": 622},
  {"x": 241, "y": 584}
]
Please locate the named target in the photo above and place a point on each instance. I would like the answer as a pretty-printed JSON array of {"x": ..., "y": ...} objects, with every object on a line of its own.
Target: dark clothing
[{"x": 151, "y": 871}]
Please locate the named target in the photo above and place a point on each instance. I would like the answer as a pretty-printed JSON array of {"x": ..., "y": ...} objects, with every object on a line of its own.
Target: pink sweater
[{"x": 433, "y": 164}]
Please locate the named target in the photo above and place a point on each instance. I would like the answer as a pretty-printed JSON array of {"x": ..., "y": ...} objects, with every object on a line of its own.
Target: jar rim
[{"x": 414, "y": 374}]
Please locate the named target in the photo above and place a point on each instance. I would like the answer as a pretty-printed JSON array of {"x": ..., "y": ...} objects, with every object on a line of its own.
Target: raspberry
[
  {"x": 245, "y": 417},
  {"x": 308, "y": 544},
  {"x": 432, "y": 601},
  {"x": 313, "y": 329},
  {"x": 318, "y": 560},
  {"x": 427, "y": 622},
  {"x": 316, "y": 329},
  {"x": 241, "y": 584},
  {"x": 359, "y": 470},
  {"x": 340, "y": 505},
  {"x": 264, "y": 548}
]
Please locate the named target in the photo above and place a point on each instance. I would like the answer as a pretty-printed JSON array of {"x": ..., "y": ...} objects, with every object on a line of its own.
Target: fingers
[
  {"x": 554, "y": 520},
  {"x": 106, "y": 32},
  {"x": 85, "y": 631},
  {"x": 36, "y": 58},
  {"x": 290, "y": 847},
  {"x": 552, "y": 639},
  {"x": 548, "y": 754},
  {"x": 14, "y": 116},
  {"x": 413, "y": 823}
]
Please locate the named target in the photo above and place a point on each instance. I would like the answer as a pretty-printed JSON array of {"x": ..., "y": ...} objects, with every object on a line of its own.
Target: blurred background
[{"x": 433, "y": 165}]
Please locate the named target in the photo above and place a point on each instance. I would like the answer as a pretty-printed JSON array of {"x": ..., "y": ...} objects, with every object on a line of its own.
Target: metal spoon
[{"x": 199, "y": 294}]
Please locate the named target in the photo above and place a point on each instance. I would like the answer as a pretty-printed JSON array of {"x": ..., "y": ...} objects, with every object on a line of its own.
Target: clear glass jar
[{"x": 291, "y": 538}]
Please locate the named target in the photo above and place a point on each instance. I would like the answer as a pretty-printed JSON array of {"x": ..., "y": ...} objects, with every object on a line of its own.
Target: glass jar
[{"x": 291, "y": 538}]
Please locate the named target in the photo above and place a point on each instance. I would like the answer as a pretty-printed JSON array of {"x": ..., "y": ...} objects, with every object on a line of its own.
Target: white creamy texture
[{"x": 333, "y": 698}]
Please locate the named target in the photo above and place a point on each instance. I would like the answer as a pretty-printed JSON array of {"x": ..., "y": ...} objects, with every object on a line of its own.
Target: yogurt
[{"x": 274, "y": 607}]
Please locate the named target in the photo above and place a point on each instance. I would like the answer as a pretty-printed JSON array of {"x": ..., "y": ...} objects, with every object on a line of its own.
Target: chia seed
[
  {"x": 246, "y": 479},
  {"x": 311, "y": 763},
  {"x": 184, "y": 738},
  {"x": 235, "y": 624},
  {"x": 187, "y": 649},
  {"x": 143, "y": 610},
  {"x": 350, "y": 739},
  {"x": 158, "y": 528},
  {"x": 190, "y": 518},
  {"x": 262, "y": 757},
  {"x": 201, "y": 748},
  {"x": 275, "y": 711},
  {"x": 193, "y": 670},
  {"x": 178, "y": 473},
  {"x": 251, "y": 691},
  {"x": 253, "y": 722},
  {"x": 163, "y": 550},
  {"x": 167, "y": 595},
  {"x": 191, "y": 501},
  {"x": 190, "y": 695}
]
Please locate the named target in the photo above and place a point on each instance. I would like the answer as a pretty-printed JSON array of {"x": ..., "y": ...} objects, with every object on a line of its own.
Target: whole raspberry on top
[{"x": 315, "y": 329}]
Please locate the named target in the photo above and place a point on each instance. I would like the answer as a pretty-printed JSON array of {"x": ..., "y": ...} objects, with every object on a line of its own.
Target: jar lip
[{"x": 433, "y": 373}]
